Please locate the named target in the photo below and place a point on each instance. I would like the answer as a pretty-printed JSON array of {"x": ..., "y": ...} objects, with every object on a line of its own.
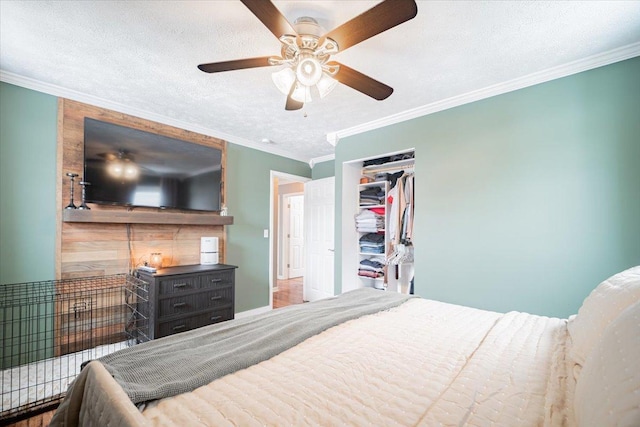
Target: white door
[
  {"x": 319, "y": 215},
  {"x": 295, "y": 236}
]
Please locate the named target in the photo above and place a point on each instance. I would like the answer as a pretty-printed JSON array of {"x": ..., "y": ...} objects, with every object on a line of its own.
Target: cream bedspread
[{"x": 422, "y": 363}]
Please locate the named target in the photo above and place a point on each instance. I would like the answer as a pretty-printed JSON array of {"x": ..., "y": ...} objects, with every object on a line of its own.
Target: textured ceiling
[{"x": 142, "y": 56}]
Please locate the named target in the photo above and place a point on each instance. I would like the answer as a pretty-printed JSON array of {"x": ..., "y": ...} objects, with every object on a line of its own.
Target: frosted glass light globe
[{"x": 309, "y": 71}]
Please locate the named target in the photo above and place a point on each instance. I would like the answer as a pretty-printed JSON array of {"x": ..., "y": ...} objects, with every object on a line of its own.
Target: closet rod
[{"x": 408, "y": 168}]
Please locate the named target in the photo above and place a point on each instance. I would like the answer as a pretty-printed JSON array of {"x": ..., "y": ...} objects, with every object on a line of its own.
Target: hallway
[{"x": 289, "y": 292}]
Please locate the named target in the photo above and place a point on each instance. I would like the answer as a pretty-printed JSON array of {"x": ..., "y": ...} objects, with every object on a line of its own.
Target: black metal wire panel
[{"x": 49, "y": 328}]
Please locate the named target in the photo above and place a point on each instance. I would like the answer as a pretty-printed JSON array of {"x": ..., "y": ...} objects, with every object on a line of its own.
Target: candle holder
[
  {"x": 71, "y": 205},
  {"x": 156, "y": 260},
  {"x": 84, "y": 206}
]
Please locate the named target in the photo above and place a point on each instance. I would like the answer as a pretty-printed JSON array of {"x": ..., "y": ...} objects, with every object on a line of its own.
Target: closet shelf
[
  {"x": 389, "y": 166},
  {"x": 371, "y": 206},
  {"x": 128, "y": 217},
  {"x": 373, "y": 184}
]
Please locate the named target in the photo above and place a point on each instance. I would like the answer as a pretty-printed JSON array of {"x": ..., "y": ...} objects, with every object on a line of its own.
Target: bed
[{"x": 387, "y": 360}]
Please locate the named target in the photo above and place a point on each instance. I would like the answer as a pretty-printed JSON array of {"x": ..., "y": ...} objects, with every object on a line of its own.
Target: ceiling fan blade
[
  {"x": 238, "y": 64},
  {"x": 292, "y": 104},
  {"x": 374, "y": 21},
  {"x": 361, "y": 82},
  {"x": 270, "y": 16}
]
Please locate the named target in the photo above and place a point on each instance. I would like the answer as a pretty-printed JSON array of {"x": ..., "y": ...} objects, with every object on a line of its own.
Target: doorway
[
  {"x": 286, "y": 239},
  {"x": 292, "y": 236}
]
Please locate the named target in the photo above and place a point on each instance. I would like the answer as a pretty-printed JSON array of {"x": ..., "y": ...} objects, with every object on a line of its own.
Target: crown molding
[
  {"x": 62, "y": 92},
  {"x": 574, "y": 67},
  {"x": 321, "y": 159}
]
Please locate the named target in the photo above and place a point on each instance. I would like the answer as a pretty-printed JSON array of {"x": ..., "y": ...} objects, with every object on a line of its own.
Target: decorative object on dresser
[
  {"x": 208, "y": 250},
  {"x": 155, "y": 260},
  {"x": 189, "y": 296}
]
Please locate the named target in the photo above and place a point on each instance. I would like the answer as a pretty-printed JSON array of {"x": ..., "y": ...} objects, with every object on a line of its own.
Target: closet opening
[{"x": 378, "y": 247}]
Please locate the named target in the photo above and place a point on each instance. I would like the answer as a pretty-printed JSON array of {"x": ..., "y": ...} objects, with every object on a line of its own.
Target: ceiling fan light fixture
[
  {"x": 309, "y": 71},
  {"x": 326, "y": 84},
  {"x": 308, "y": 25},
  {"x": 284, "y": 79},
  {"x": 306, "y": 49},
  {"x": 301, "y": 93}
]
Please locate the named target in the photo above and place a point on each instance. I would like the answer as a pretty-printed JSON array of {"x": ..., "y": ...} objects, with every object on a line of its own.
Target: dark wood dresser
[{"x": 188, "y": 297}]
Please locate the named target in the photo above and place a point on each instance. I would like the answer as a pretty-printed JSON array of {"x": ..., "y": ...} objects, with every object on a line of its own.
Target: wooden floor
[
  {"x": 41, "y": 420},
  {"x": 289, "y": 292}
]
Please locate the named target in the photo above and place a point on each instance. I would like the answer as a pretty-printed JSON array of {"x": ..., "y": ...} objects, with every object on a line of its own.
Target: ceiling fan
[{"x": 306, "y": 50}]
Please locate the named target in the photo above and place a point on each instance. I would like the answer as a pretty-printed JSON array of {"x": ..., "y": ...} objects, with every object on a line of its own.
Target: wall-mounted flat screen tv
[{"x": 131, "y": 167}]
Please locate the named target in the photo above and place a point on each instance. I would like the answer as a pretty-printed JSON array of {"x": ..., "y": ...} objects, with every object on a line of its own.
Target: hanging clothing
[
  {"x": 400, "y": 220},
  {"x": 396, "y": 198},
  {"x": 407, "y": 217},
  {"x": 392, "y": 222},
  {"x": 393, "y": 178}
]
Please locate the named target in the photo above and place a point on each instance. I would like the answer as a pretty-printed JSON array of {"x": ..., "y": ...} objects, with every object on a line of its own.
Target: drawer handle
[
  {"x": 216, "y": 297},
  {"x": 216, "y": 280},
  {"x": 179, "y": 285},
  {"x": 216, "y": 318},
  {"x": 179, "y": 304},
  {"x": 176, "y": 328}
]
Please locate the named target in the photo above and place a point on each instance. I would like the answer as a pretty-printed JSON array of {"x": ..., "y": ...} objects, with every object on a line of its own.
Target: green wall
[
  {"x": 247, "y": 197},
  {"x": 28, "y": 126},
  {"x": 524, "y": 201},
  {"x": 323, "y": 170}
]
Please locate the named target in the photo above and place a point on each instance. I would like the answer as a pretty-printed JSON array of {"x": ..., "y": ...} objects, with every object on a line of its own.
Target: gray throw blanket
[{"x": 183, "y": 362}]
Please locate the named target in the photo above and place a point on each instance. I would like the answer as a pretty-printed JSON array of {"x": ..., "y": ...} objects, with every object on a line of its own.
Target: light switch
[{"x": 266, "y": 233}]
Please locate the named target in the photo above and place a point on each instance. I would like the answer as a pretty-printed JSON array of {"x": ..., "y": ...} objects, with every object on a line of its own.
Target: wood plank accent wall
[{"x": 93, "y": 249}]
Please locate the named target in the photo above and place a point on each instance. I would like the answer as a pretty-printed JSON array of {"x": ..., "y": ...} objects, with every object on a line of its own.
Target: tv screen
[{"x": 130, "y": 167}]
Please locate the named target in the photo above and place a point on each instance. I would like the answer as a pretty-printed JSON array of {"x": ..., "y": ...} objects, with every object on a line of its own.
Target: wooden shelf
[{"x": 129, "y": 217}]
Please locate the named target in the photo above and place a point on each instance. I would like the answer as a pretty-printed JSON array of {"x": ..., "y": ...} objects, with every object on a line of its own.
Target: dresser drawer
[
  {"x": 188, "y": 323},
  {"x": 182, "y": 304},
  {"x": 174, "y": 285},
  {"x": 217, "y": 279},
  {"x": 189, "y": 296}
]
